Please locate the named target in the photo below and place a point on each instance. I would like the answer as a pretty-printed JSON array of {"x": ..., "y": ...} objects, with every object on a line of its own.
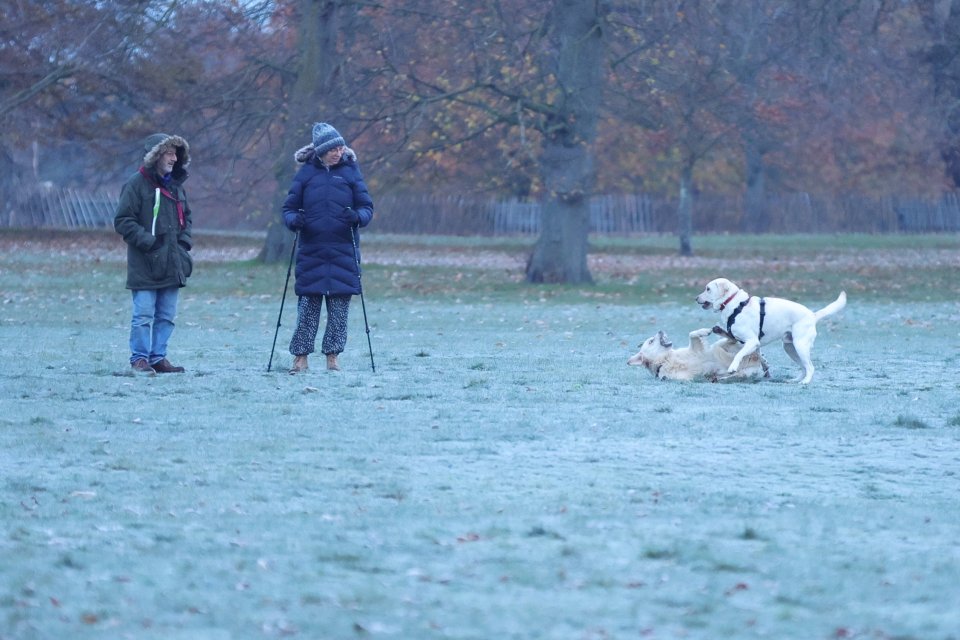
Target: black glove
[
  {"x": 157, "y": 242},
  {"x": 296, "y": 221},
  {"x": 352, "y": 216}
]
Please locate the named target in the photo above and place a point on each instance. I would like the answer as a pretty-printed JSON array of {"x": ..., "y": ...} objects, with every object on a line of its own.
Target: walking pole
[
  {"x": 286, "y": 284},
  {"x": 363, "y": 305}
]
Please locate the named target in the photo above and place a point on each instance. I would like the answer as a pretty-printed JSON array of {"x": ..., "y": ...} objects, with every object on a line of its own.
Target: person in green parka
[{"x": 155, "y": 221}]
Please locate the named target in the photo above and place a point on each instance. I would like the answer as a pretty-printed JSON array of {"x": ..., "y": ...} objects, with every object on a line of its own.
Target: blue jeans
[{"x": 152, "y": 324}]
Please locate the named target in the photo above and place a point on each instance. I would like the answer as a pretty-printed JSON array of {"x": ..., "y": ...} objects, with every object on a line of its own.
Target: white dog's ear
[{"x": 664, "y": 340}]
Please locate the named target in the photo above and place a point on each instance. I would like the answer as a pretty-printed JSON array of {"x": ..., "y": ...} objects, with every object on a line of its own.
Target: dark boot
[
  {"x": 141, "y": 365},
  {"x": 164, "y": 366}
]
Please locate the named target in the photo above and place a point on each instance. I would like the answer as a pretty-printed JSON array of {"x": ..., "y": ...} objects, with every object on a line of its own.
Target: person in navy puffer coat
[{"x": 327, "y": 203}]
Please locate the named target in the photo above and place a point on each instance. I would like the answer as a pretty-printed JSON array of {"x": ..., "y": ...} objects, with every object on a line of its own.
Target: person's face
[
  {"x": 166, "y": 162},
  {"x": 332, "y": 157}
]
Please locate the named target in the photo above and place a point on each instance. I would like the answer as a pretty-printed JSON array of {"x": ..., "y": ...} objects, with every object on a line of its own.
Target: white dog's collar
[{"x": 727, "y": 301}]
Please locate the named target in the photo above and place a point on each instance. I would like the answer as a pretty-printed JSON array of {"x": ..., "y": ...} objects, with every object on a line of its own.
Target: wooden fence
[
  {"x": 42, "y": 207},
  {"x": 60, "y": 209}
]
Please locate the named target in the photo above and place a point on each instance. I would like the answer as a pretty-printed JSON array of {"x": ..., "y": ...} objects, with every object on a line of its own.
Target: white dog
[
  {"x": 758, "y": 321},
  {"x": 698, "y": 360}
]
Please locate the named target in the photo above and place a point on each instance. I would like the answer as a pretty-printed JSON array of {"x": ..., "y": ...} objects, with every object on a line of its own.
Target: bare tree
[
  {"x": 497, "y": 98},
  {"x": 574, "y": 31},
  {"x": 534, "y": 79},
  {"x": 941, "y": 55},
  {"x": 64, "y": 65},
  {"x": 685, "y": 90},
  {"x": 314, "y": 78}
]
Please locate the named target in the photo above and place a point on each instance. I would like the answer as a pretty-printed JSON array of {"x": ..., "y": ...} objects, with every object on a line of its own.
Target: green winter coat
[{"x": 169, "y": 264}]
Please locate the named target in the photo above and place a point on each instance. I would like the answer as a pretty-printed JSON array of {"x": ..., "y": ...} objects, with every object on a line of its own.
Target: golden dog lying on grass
[{"x": 699, "y": 360}]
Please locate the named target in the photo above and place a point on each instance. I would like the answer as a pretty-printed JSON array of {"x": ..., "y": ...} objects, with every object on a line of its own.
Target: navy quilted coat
[{"x": 317, "y": 204}]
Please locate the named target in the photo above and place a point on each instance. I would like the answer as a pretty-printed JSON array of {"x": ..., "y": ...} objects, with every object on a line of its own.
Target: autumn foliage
[{"x": 744, "y": 98}]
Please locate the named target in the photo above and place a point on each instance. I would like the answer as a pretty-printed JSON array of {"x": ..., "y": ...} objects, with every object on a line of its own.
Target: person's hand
[
  {"x": 295, "y": 221},
  {"x": 352, "y": 216},
  {"x": 157, "y": 242}
]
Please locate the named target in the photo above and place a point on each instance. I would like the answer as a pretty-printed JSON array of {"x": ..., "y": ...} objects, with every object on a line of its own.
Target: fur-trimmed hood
[
  {"x": 308, "y": 153},
  {"x": 156, "y": 144}
]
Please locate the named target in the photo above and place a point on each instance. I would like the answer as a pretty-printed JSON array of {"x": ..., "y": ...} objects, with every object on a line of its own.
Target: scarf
[{"x": 166, "y": 192}]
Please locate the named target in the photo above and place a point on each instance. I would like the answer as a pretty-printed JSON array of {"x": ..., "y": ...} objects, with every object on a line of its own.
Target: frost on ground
[{"x": 504, "y": 474}]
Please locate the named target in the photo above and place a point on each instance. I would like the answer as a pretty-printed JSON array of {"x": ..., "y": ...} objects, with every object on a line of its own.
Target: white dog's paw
[{"x": 701, "y": 333}]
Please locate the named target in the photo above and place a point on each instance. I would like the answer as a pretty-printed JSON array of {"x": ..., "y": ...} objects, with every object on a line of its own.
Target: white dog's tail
[{"x": 833, "y": 307}]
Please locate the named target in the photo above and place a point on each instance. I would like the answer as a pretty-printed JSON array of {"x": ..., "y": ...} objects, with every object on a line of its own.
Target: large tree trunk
[
  {"x": 310, "y": 97},
  {"x": 942, "y": 23},
  {"x": 560, "y": 254},
  {"x": 685, "y": 210},
  {"x": 951, "y": 143},
  {"x": 10, "y": 178},
  {"x": 755, "y": 219}
]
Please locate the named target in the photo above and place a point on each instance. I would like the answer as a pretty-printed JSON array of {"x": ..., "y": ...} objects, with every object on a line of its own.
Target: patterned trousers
[{"x": 308, "y": 322}]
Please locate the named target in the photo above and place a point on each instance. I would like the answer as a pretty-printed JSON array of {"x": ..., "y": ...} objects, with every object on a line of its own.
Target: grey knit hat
[{"x": 325, "y": 137}]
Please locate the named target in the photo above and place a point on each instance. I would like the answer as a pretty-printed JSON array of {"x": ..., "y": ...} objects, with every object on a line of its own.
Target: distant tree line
[{"x": 552, "y": 102}]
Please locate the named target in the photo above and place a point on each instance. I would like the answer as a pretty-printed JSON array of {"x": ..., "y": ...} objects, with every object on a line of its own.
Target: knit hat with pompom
[{"x": 325, "y": 137}]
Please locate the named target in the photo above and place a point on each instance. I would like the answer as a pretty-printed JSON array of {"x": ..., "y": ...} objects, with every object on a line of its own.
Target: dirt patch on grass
[
  {"x": 623, "y": 264},
  {"x": 108, "y": 247},
  {"x": 104, "y": 246}
]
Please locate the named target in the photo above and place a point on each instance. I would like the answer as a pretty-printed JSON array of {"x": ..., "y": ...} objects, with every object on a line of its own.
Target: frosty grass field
[{"x": 503, "y": 474}]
